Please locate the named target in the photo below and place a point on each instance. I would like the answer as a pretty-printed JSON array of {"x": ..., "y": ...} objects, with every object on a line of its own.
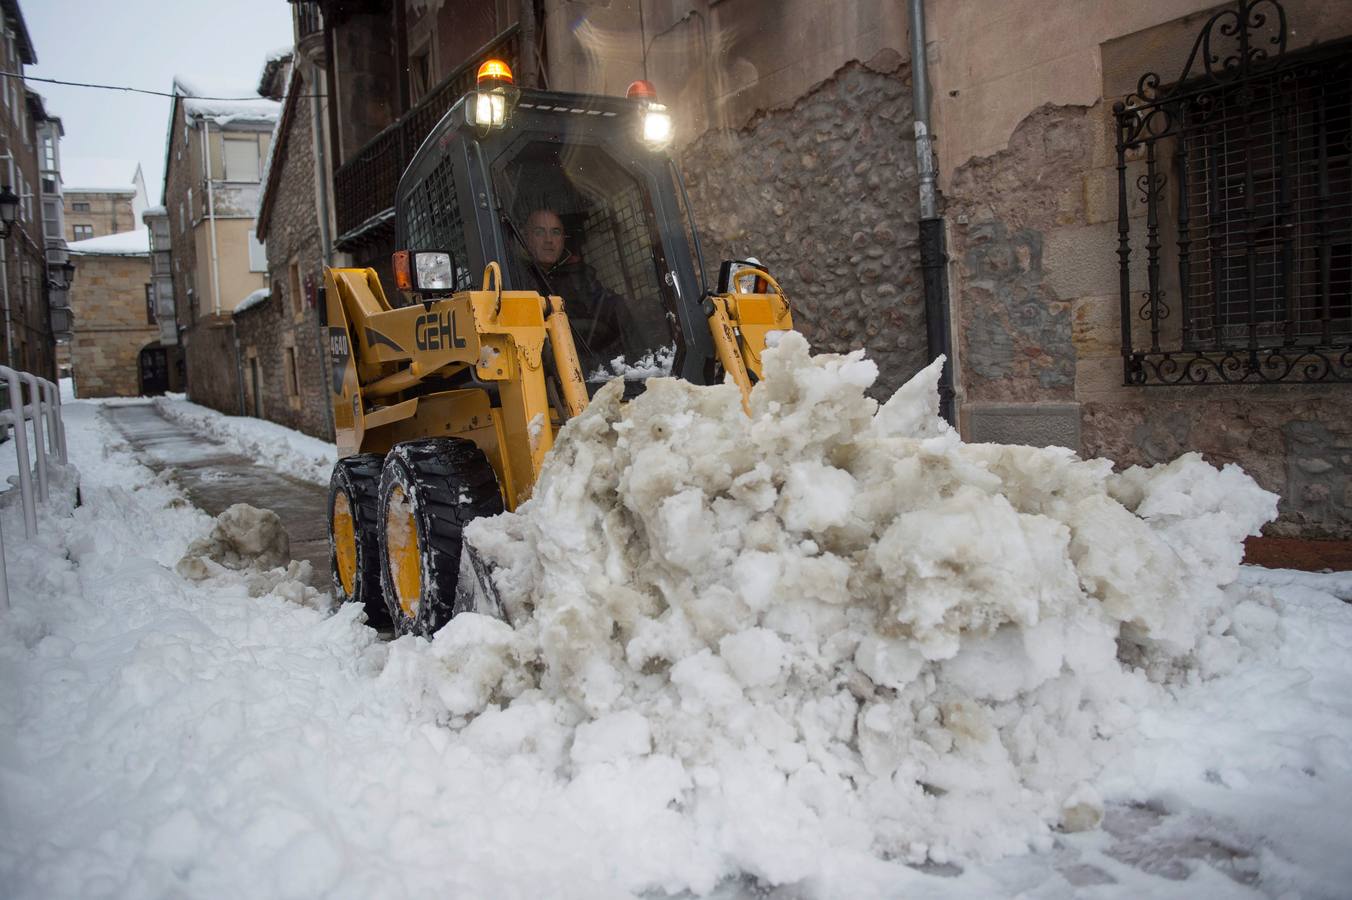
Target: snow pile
[
  {"x": 307, "y": 458},
  {"x": 243, "y": 537},
  {"x": 835, "y": 625},
  {"x": 653, "y": 364}
]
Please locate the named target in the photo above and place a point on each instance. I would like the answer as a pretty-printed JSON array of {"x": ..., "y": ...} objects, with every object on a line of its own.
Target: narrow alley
[{"x": 215, "y": 478}]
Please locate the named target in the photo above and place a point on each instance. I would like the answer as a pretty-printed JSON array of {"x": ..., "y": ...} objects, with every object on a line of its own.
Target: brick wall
[
  {"x": 109, "y": 303},
  {"x": 286, "y": 327}
]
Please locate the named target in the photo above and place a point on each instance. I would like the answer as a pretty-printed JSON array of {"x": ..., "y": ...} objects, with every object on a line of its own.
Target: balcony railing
[{"x": 364, "y": 185}]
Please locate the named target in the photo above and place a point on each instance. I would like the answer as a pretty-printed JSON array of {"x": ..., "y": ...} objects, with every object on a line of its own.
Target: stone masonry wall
[
  {"x": 825, "y": 194},
  {"x": 284, "y": 321},
  {"x": 1036, "y": 294},
  {"x": 109, "y": 302}
]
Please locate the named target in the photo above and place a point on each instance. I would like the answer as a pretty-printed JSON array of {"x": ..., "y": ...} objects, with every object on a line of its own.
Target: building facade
[
  {"x": 1123, "y": 269},
  {"x": 91, "y": 212},
  {"x": 28, "y": 341},
  {"x": 116, "y": 349},
  {"x": 285, "y": 362},
  {"x": 215, "y": 152}
]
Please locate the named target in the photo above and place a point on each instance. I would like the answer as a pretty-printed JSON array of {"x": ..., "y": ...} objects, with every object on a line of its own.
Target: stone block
[
  {"x": 1082, "y": 261},
  {"x": 1031, "y": 424}
]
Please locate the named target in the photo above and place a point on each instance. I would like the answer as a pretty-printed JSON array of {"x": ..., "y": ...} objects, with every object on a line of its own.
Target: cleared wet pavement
[{"x": 214, "y": 478}]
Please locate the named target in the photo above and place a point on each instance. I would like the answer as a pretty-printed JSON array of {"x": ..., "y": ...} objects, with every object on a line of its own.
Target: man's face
[{"x": 544, "y": 237}]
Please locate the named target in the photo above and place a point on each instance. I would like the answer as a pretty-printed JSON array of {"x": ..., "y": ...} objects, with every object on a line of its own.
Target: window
[
  {"x": 258, "y": 253},
  {"x": 241, "y": 159},
  {"x": 297, "y": 300},
  {"x": 48, "y": 152},
  {"x": 1243, "y": 182},
  {"x": 81, "y": 232},
  {"x": 190, "y": 208},
  {"x": 618, "y": 303},
  {"x": 79, "y": 207},
  {"x": 292, "y": 374},
  {"x": 182, "y": 217},
  {"x": 420, "y": 73},
  {"x": 150, "y": 305},
  {"x": 51, "y": 219},
  {"x": 49, "y": 185}
]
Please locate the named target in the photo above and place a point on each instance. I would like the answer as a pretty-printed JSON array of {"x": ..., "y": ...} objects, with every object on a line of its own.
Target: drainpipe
[
  {"x": 4, "y": 279},
  {"x": 211, "y": 219},
  {"x": 933, "y": 256},
  {"x": 325, "y": 246}
]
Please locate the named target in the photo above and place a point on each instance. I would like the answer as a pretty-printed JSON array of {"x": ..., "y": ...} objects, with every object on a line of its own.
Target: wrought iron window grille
[{"x": 1242, "y": 168}]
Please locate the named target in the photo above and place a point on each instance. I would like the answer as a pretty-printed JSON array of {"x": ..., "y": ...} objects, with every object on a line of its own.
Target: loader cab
[{"x": 568, "y": 197}]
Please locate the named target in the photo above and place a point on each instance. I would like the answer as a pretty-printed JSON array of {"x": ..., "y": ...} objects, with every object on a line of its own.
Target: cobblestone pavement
[{"x": 215, "y": 478}]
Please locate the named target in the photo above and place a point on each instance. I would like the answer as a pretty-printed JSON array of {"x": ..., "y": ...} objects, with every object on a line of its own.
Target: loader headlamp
[
  {"x": 423, "y": 270},
  {"x": 656, "y": 130},
  {"x": 656, "y": 125}
]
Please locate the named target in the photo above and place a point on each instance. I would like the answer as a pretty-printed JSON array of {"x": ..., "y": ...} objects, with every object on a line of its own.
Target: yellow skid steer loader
[{"x": 547, "y": 251}]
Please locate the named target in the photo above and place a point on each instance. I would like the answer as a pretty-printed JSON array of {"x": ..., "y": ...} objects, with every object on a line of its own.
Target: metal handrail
[{"x": 43, "y": 406}]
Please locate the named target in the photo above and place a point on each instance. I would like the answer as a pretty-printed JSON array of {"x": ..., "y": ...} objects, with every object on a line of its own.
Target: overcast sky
[{"x": 144, "y": 43}]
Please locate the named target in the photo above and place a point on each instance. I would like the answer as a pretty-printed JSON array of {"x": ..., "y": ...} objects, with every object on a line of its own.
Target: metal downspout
[
  {"x": 4, "y": 279},
  {"x": 325, "y": 244},
  {"x": 211, "y": 219},
  {"x": 933, "y": 255}
]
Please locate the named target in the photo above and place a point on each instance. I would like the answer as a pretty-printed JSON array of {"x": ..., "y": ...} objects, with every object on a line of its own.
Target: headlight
[
  {"x": 433, "y": 271},
  {"x": 656, "y": 125},
  {"x": 490, "y": 109}
]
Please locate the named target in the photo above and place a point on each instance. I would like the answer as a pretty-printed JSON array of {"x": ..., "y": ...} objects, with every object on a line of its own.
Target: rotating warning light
[
  {"x": 641, "y": 90},
  {"x": 495, "y": 70}
]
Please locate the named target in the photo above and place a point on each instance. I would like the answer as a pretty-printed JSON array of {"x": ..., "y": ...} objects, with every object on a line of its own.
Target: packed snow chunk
[
  {"x": 756, "y": 656},
  {"x": 244, "y": 537},
  {"x": 613, "y": 736},
  {"x": 847, "y": 628}
]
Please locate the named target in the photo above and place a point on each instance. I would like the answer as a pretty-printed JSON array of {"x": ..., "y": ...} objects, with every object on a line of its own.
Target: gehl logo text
[{"x": 437, "y": 331}]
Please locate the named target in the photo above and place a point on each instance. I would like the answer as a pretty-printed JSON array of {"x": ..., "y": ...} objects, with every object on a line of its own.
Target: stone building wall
[
  {"x": 108, "y": 212},
  {"x": 109, "y": 303},
  {"x": 1035, "y": 290},
  {"x": 825, "y": 193},
  {"x": 289, "y": 324}
]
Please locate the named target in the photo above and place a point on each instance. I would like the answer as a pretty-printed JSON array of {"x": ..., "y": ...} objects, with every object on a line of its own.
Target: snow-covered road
[{"x": 166, "y": 738}]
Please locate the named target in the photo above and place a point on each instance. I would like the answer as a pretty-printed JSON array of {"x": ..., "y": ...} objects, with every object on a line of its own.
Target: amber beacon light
[
  {"x": 656, "y": 120},
  {"x": 494, "y": 89}
]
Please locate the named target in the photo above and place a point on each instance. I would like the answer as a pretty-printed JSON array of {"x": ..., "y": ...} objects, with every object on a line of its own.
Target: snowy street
[
  {"x": 214, "y": 478},
  {"x": 231, "y": 737}
]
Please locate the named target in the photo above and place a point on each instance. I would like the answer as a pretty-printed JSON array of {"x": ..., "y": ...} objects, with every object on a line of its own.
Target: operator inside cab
[{"x": 598, "y": 315}]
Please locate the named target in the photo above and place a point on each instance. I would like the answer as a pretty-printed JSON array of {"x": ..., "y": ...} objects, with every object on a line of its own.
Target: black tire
[
  {"x": 440, "y": 486},
  {"x": 357, "y": 479}
]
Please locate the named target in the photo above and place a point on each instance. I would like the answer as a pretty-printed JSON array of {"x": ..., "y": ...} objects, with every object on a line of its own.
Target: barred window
[
  {"x": 1269, "y": 194},
  {"x": 1235, "y": 190}
]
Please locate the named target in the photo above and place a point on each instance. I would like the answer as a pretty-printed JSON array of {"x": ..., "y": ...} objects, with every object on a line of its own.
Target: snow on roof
[
  {"x": 123, "y": 243},
  {"x": 155, "y": 211},
  {"x": 98, "y": 173},
  {"x": 243, "y": 105},
  {"x": 257, "y": 298},
  {"x": 223, "y": 112}
]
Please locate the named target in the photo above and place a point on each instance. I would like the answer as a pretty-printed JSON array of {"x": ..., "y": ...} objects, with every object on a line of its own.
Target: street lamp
[{"x": 9, "y": 211}]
